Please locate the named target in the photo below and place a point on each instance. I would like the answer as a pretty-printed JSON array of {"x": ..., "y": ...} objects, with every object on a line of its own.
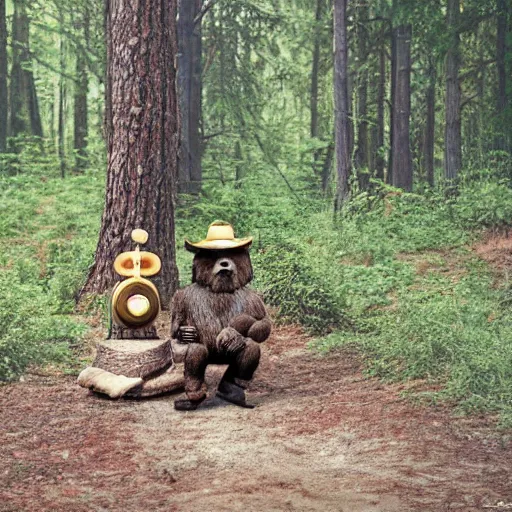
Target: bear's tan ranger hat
[{"x": 220, "y": 236}]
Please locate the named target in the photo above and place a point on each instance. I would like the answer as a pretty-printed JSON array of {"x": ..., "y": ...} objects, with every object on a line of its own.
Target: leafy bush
[
  {"x": 485, "y": 204},
  {"x": 31, "y": 331},
  {"x": 296, "y": 290}
]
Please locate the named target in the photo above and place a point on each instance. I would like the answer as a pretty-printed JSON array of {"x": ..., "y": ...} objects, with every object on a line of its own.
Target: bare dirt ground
[{"x": 322, "y": 437}]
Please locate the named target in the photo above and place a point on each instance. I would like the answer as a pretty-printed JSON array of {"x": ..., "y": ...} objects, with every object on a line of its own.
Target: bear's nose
[{"x": 224, "y": 265}]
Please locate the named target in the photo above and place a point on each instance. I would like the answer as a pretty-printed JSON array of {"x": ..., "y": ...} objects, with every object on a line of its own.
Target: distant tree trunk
[
  {"x": 62, "y": 92},
  {"x": 452, "y": 134},
  {"x": 430, "y": 119},
  {"x": 24, "y": 106},
  {"x": 401, "y": 170},
  {"x": 189, "y": 87},
  {"x": 501, "y": 65},
  {"x": 313, "y": 101},
  {"x": 107, "y": 117},
  {"x": 80, "y": 100},
  {"x": 3, "y": 79},
  {"x": 501, "y": 51},
  {"x": 341, "y": 102},
  {"x": 389, "y": 176},
  {"x": 381, "y": 98},
  {"x": 361, "y": 154},
  {"x": 143, "y": 142}
]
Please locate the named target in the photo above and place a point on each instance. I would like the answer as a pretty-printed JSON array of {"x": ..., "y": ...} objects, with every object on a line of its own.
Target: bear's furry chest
[{"x": 210, "y": 312}]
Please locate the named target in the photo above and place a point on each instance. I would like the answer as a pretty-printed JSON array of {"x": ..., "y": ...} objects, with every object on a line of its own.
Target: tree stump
[
  {"x": 133, "y": 358},
  {"x": 171, "y": 379}
]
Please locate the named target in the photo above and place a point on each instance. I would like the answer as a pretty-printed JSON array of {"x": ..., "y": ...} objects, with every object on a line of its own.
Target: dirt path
[{"x": 321, "y": 438}]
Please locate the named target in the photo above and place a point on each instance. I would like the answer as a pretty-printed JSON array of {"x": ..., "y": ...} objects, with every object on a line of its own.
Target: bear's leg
[
  {"x": 239, "y": 372},
  {"x": 196, "y": 360}
]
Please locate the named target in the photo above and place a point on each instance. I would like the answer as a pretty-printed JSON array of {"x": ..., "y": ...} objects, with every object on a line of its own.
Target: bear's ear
[{"x": 244, "y": 267}]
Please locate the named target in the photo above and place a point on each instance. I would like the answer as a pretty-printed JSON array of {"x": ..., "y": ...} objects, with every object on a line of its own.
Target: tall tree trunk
[
  {"x": 143, "y": 143},
  {"x": 389, "y": 176},
  {"x": 501, "y": 65},
  {"x": 341, "y": 102},
  {"x": 3, "y": 79},
  {"x": 108, "y": 116},
  {"x": 501, "y": 50},
  {"x": 189, "y": 87},
  {"x": 24, "y": 106},
  {"x": 401, "y": 145},
  {"x": 313, "y": 100},
  {"x": 62, "y": 92},
  {"x": 452, "y": 134},
  {"x": 361, "y": 154},
  {"x": 80, "y": 97},
  {"x": 381, "y": 98},
  {"x": 430, "y": 119}
]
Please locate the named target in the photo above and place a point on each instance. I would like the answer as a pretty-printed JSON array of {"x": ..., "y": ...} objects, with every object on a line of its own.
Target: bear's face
[{"x": 223, "y": 271}]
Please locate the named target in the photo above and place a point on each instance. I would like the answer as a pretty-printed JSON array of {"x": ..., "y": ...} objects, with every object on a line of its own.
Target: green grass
[{"x": 49, "y": 232}]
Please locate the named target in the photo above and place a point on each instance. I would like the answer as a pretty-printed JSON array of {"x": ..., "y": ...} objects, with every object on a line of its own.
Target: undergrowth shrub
[
  {"x": 485, "y": 204},
  {"x": 298, "y": 292},
  {"x": 31, "y": 332}
]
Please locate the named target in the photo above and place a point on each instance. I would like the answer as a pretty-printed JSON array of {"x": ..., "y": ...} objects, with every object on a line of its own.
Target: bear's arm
[
  {"x": 178, "y": 312},
  {"x": 259, "y": 330}
]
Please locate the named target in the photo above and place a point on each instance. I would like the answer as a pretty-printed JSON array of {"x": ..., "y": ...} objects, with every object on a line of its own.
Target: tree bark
[
  {"x": 143, "y": 140},
  {"x": 341, "y": 103},
  {"x": 389, "y": 175},
  {"x": 430, "y": 119},
  {"x": 361, "y": 154},
  {"x": 190, "y": 87},
  {"x": 80, "y": 99},
  {"x": 501, "y": 50},
  {"x": 24, "y": 106},
  {"x": 313, "y": 99},
  {"x": 452, "y": 134},
  {"x": 401, "y": 170},
  {"x": 3, "y": 79},
  {"x": 381, "y": 98},
  {"x": 62, "y": 91},
  {"x": 501, "y": 65}
]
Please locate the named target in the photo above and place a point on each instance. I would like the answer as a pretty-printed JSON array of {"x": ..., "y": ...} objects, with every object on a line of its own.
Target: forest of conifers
[{"x": 365, "y": 144}]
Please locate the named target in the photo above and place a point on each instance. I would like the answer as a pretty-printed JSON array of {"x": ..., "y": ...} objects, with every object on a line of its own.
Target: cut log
[
  {"x": 107, "y": 383},
  {"x": 133, "y": 358},
  {"x": 172, "y": 379}
]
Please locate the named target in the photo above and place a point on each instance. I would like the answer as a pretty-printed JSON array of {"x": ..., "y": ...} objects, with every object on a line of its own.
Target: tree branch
[
  {"x": 468, "y": 100},
  {"x": 206, "y": 7},
  {"x": 476, "y": 69},
  {"x": 275, "y": 165}
]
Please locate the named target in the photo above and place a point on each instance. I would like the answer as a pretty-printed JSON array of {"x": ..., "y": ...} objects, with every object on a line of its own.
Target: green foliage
[
  {"x": 430, "y": 310},
  {"x": 48, "y": 239},
  {"x": 298, "y": 292},
  {"x": 486, "y": 204},
  {"x": 32, "y": 330}
]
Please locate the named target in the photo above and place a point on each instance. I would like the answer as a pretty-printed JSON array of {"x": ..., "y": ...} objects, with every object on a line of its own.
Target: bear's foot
[
  {"x": 234, "y": 394},
  {"x": 184, "y": 404}
]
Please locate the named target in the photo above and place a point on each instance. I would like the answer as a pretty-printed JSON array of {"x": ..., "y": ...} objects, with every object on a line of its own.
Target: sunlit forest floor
[
  {"x": 404, "y": 304},
  {"x": 322, "y": 437},
  {"x": 418, "y": 283}
]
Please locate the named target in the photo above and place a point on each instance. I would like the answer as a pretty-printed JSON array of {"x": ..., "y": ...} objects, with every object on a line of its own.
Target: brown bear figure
[{"x": 220, "y": 319}]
